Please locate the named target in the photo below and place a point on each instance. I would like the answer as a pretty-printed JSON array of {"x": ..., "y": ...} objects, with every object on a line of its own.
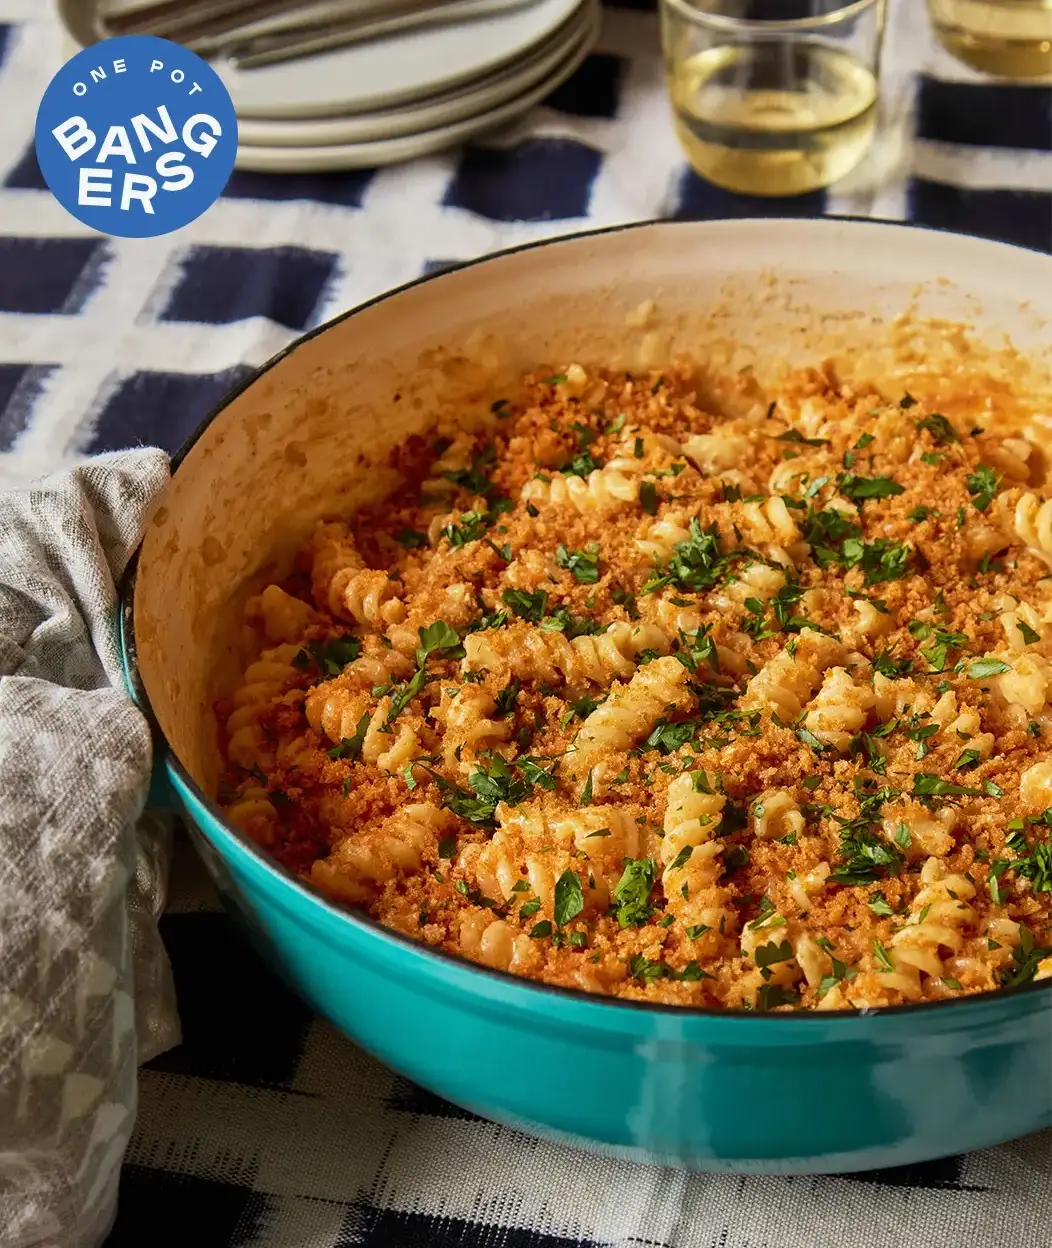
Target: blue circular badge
[{"x": 136, "y": 136}]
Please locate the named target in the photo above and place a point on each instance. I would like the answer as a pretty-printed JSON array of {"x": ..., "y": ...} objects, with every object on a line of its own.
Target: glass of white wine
[
  {"x": 773, "y": 97},
  {"x": 1008, "y": 38}
]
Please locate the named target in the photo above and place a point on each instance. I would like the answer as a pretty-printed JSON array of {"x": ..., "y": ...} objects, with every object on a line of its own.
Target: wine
[
  {"x": 1009, "y": 38},
  {"x": 771, "y": 118}
]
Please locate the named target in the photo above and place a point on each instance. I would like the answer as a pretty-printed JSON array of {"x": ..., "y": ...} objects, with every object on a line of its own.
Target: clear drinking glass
[
  {"x": 773, "y": 97},
  {"x": 1009, "y": 38}
]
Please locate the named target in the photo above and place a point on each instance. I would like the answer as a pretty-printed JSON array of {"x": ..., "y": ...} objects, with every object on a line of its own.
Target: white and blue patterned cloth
[{"x": 264, "y": 1129}]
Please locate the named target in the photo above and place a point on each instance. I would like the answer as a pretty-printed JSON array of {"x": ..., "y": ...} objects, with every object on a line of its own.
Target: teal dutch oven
[{"x": 315, "y": 432}]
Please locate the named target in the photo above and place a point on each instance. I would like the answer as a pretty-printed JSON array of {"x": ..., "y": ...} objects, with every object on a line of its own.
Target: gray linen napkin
[{"x": 85, "y": 989}]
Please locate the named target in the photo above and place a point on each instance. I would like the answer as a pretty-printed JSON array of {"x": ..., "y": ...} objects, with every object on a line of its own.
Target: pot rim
[{"x": 985, "y": 1001}]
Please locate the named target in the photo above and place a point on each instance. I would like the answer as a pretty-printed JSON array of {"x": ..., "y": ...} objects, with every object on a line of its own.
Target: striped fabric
[{"x": 264, "y": 1128}]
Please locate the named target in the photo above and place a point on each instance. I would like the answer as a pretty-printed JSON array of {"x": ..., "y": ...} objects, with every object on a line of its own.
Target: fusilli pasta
[{"x": 581, "y": 703}]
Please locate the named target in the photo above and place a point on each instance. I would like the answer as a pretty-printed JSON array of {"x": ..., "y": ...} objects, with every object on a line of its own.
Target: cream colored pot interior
[{"x": 314, "y": 434}]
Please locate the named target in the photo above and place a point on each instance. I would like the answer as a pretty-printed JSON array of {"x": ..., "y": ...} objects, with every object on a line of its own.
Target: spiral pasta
[
  {"x": 343, "y": 584},
  {"x": 1026, "y": 682},
  {"x": 337, "y": 711},
  {"x": 284, "y": 617},
  {"x": 839, "y": 710},
  {"x": 1021, "y": 624},
  {"x": 632, "y": 710},
  {"x": 1035, "y": 786},
  {"x": 692, "y": 855},
  {"x": 641, "y": 451},
  {"x": 455, "y": 458},
  {"x": 359, "y": 865},
  {"x": 787, "y": 681},
  {"x": 265, "y": 681},
  {"x": 776, "y": 813},
  {"x": 742, "y": 713},
  {"x": 769, "y": 522},
  {"x": 254, "y": 813},
  {"x": 604, "y": 489},
  {"x": 1032, "y": 524},
  {"x": 466, "y": 714},
  {"x": 715, "y": 453},
  {"x": 922, "y": 832},
  {"x": 940, "y": 916},
  {"x": 497, "y": 944},
  {"x": 543, "y": 654},
  {"x": 662, "y": 537},
  {"x": 753, "y": 580},
  {"x": 534, "y": 847}
]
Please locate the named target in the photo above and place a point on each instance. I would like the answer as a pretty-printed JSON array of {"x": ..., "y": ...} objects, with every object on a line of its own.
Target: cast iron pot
[{"x": 309, "y": 435}]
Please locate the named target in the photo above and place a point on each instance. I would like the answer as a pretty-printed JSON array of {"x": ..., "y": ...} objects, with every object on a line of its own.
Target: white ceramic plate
[
  {"x": 387, "y": 72},
  {"x": 410, "y": 146},
  {"x": 469, "y": 100}
]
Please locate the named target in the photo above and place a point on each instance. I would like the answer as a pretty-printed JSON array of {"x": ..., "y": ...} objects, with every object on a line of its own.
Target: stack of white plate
[{"x": 401, "y": 96}]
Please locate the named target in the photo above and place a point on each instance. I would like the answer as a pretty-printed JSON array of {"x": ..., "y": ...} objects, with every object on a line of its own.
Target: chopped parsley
[
  {"x": 527, "y": 606},
  {"x": 696, "y": 563},
  {"x": 943, "y": 642},
  {"x": 1037, "y": 867},
  {"x": 503, "y": 782},
  {"x": 794, "y": 435},
  {"x": 925, "y": 785},
  {"x": 351, "y": 747},
  {"x": 506, "y": 699},
  {"x": 892, "y": 668},
  {"x": 436, "y": 638},
  {"x": 474, "y": 479},
  {"x": 983, "y": 484},
  {"x": 1026, "y": 957},
  {"x": 581, "y": 708},
  {"x": 649, "y": 497},
  {"x": 1028, "y": 634},
  {"x": 979, "y": 669},
  {"x": 772, "y": 995},
  {"x": 330, "y": 656},
  {"x": 859, "y": 489},
  {"x": 880, "y": 905},
  {"x": 581, "y": 465},
  {"x": 865, "y": 855},
  {"x": 632, "y": 892},
  {"x": 880, "y": 560},
  {"x": 966, "y": 759},
  {"x": 942, "y": 432},
  {"x": 881, "y": 954},
  {"x": 646, "y": 971},
  {"x": 694, "y": 649},
  {"x": 563, "y": 621},
  {"x": 569, "y": 897},
  {"x": 622, "y": 598},
  {"x": 583, "y": 564},
  {"x": 667, "y": 738},
  {"x": 771, "y": 954},
  {"x": 842, "y": 973}
]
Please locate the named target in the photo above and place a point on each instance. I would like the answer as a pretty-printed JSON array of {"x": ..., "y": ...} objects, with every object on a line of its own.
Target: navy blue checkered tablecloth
[{"x": 264, "y": 1129}]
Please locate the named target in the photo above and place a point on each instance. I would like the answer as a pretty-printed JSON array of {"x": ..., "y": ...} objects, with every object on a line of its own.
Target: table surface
[{"x": 264, "y": 1128}]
